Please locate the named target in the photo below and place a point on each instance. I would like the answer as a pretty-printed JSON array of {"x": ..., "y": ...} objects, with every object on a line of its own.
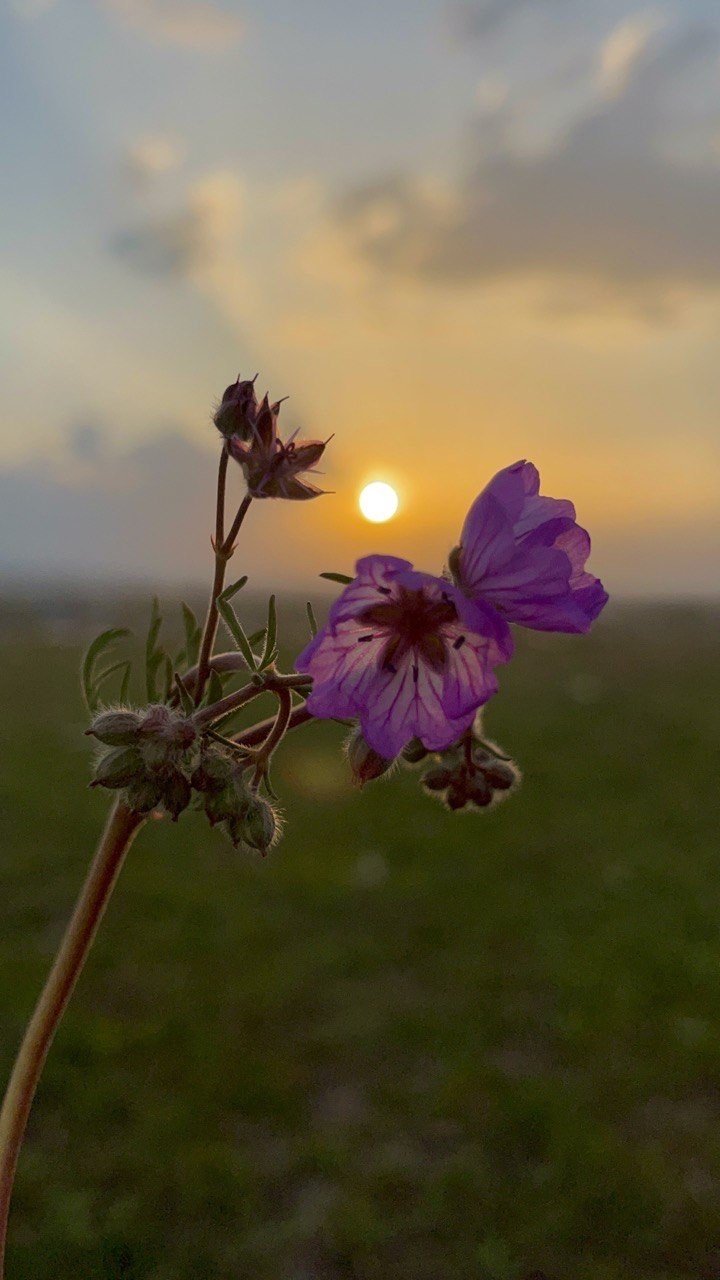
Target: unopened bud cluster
[
  {"x": 227, "y": 799},
  {"x": 157, "y": 758},
  {"x": 148, "y": 758},
  {"x": 469, "y": 776}
]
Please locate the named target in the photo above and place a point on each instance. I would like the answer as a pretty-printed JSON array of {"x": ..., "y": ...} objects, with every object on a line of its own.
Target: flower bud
[
  {"x": 237, "y": 409},
  {"x": 176, "y": 793},
  {"x": 261, "y": 827},
  {"x": 213, "y": 772},
  {"x": 500, "y": 776},
  {"x": 437, "y": 779},
  {"x": 414, "y": 752},
  {"x": 364, "y": 761},
  {"x": 115, "y": 728},
  {"x": 165, "y": 736},
  {"x": 228, "y": 801},
  {"x": 144, "y": 794},
  {"x": 456, "y": 797},
  {"x": 118, "y": 768},
  {"x": 480, "y": 791},
  {"x": 156, "y": 719}
]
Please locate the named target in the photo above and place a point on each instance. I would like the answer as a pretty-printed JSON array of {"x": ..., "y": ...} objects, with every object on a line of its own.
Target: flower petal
[{"x": 376, "y": 580}]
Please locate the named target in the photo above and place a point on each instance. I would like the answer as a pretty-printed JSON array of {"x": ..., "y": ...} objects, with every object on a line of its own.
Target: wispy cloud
[
  {"x": 607, "y": 205},
  {"x": 627, "y": 43},
  {"x": 478, "y": 19},
  {"x": 153, "y": 155},
  {"x": 189, "y": 236},
  {"x": 193, "y": 24}
]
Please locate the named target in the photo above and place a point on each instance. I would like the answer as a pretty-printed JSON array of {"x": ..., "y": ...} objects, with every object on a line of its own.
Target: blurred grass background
[{"x": 411, "y": 1044}]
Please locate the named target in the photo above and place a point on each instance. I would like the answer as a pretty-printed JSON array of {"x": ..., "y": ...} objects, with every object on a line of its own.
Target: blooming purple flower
[
  {"x": 407, "y": 654},
  {"x": 524, "y": 555},
  {"x": 272, "y": 467}
]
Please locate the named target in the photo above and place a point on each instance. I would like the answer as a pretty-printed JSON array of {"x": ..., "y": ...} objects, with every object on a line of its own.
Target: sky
[{"x": 455, "y": 233}]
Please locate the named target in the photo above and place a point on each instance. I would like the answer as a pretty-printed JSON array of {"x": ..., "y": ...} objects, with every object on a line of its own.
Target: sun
[{"x": 378, "y": 502}]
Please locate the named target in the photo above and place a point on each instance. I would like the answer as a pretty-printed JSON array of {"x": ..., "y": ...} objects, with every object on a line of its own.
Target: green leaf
[
  {"x": 125, "y": 686},
  {"x": 271, "y": 635},
  {"x": 311, "y": 619},
  {"x": 214, "y": 691},
  {"x": 257, "y": 636},
  {"x": 168, "y": 671},
  {"x": 193, "y": 634},
  {"x": 102, "y": 642},
  {"x": 227, "y": 613},
  {"x": 185, "y": 700},
  {"x": 337, "y": 577},
  {"x": 125, "y": 666},
  {"x": 233, "y": 589}
]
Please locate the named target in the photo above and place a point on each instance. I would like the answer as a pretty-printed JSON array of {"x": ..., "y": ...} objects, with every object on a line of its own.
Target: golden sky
[{"x": 456, "y": 234}]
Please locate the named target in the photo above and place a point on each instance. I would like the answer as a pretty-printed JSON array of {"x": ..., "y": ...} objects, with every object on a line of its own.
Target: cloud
[
  {"x": 606, "y": 206},
  {"x": 189, "y": 237},
  {"x": 624, "y": 47},
  {"x": 188, "y": 23},
  {"x": 152, "y": 155},
  {"x": 468, "y": 20}
]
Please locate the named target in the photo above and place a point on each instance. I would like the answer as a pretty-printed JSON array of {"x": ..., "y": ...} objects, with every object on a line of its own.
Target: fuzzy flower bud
[
  {"x": 364, "y": 761},
  {"x": 236, "y": 412},
  {"x": 144, "y": 794},
  {"x": 115, "y": 728},
  {"x": 470, "y": 774},
  {"x": 226, "y": 797},
  {"x": 164, "y": 737},
  {"x": 415, "y": 752},
  {"x": 213, "y": 773},
  {"x": 261, "y": 827},
  {"x": 118, "y": 768},
  {"x": 176, "y": 793}
]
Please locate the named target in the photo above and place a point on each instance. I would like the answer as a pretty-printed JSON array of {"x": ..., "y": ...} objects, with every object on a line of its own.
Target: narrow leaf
[
  {"x": 337, "y": 577},
  {"x": 192, "y": 635},
  {"x": 227, "y": 613},
  {"x": 101, "y": 642},
  {"x": 311, "y": 619},
  {"x": 214, "y": 690},
  {"x": 233, "y": 589},
  {"x": 271, "y": 635},
  {"x": 109, "y": 671},
  {"x": 125, "y": 686},
  {"x": 257, "y": 636},
  {"x": 186, "y": 701}
]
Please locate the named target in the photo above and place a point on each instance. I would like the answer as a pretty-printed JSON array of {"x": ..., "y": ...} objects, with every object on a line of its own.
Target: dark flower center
[{"x": 414, "y": 621}]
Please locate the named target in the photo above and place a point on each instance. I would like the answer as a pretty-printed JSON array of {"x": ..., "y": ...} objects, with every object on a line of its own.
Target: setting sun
[{"x": 378, "y": 502}]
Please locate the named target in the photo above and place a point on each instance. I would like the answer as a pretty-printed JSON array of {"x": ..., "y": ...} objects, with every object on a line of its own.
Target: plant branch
[
  {"x": 122, "y": 827},
  {"x": 258, "y": 733},
  {"x": 269, "y": 683},
  {"x": 229, "y": 543},
  {"x": 224, "y": 548}
]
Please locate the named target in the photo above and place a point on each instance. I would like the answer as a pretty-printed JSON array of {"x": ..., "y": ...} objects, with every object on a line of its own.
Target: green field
[{"x": 410, "y": 1045}]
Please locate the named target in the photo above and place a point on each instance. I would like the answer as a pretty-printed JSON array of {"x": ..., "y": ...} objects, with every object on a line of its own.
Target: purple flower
[
  {"x": 407, "y": 654},
  {"x": 524, "y": 556},
  {"x": 273, "y": 467}
]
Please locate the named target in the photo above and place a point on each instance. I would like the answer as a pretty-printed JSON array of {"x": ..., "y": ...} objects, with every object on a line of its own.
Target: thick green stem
[{"x": 122, "y": 827}]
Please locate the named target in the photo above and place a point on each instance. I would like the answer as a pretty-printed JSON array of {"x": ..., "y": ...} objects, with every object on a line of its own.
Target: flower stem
[
  {"x": 224, "y": 548},
  {"x": 122, "y": 826}
]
